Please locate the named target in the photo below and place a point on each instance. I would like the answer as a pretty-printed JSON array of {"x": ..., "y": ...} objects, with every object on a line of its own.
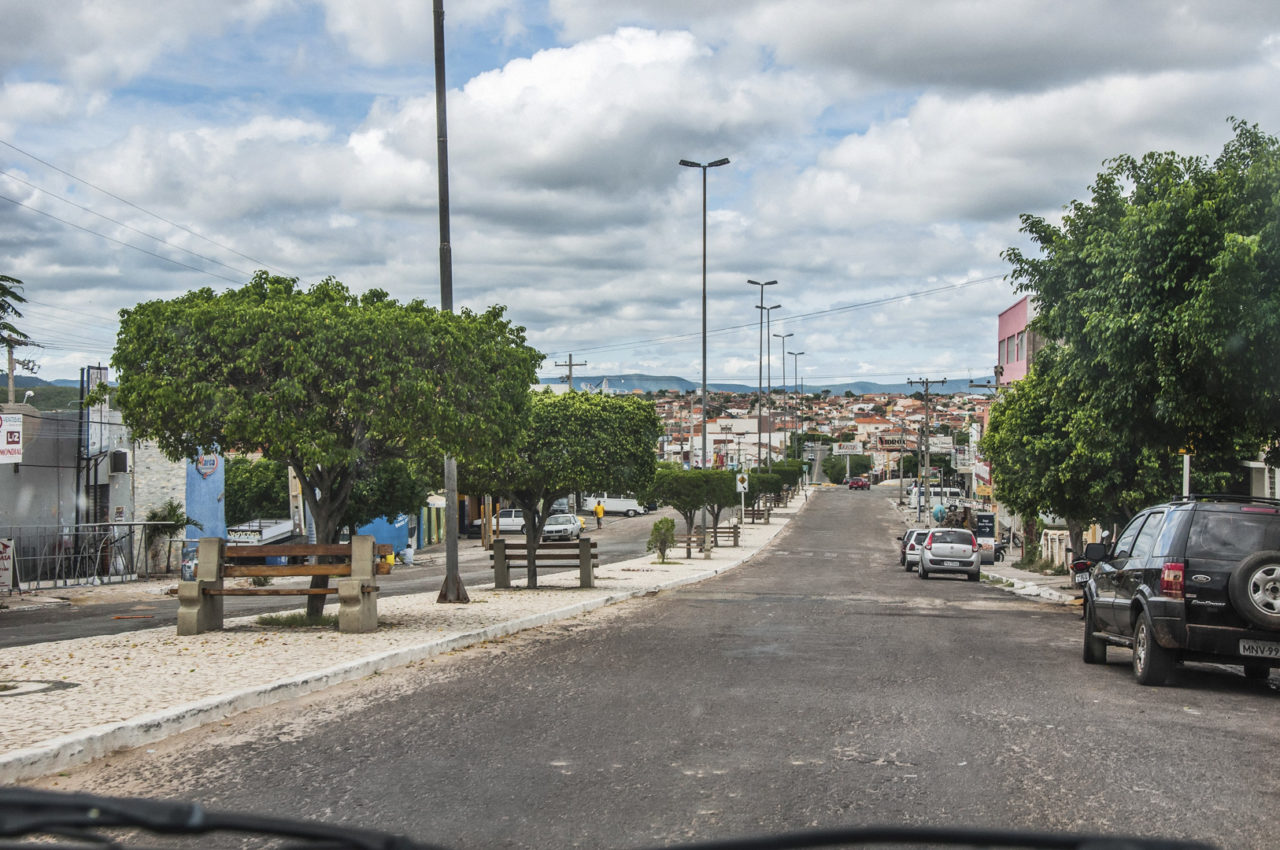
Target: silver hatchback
[{"x": 950, "y": 550}]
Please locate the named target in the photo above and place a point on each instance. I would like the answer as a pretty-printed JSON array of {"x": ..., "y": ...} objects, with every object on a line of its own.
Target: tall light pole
[
  {"x": 706, "y": 549},
  {"x": 760, "y": 371},
  {"x": 453, "y": 590},
  {"x": 768, "y": 339},
  {"x": 786, "y": 448},
  {"x": 795, "y": 379}
]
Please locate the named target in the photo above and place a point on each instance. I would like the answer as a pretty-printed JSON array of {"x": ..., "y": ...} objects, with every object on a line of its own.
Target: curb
[{"x": 96, "y": 742}]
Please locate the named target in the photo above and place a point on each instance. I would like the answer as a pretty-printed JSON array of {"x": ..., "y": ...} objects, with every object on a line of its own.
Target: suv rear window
[{"x": 1231, "y": 536}]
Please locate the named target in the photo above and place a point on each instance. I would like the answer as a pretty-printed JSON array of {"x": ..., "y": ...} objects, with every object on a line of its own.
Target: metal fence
[{"x": 62, "y": 556}]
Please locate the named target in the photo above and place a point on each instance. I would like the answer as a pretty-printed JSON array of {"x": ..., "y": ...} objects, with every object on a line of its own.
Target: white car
[
  {"x": 562, "y": 527},
  {"x": 950, "y": 550},
  {"x": 510, "y": 521}
]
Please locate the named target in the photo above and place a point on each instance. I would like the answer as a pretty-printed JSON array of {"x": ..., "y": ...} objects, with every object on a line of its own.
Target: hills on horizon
[{"x": 652, "y": 383}]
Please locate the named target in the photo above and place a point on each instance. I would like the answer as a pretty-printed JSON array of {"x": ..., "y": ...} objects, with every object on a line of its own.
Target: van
[
  {"x": 614, "y": 503},
  {"x": 946, "y": 495}
]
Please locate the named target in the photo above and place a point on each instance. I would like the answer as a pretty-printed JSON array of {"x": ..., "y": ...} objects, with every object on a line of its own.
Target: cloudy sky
[{"x": 881, "y": 154}]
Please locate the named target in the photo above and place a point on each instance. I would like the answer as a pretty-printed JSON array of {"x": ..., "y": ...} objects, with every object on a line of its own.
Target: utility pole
[
  {"x": 927, "y": 465},
  {"x": 453, "y": 590},
  {"x": 571, "y": 364}
]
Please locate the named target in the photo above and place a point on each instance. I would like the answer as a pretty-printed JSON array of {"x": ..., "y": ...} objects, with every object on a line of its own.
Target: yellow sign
[{"x": 982, "y": 490}]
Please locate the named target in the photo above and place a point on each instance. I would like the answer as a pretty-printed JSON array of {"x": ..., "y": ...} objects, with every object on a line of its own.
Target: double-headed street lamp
[
  {"x": 724, "y": 161},
  {"x": 786, "y": 450},
  {"x": 795, "y": 379},
  {"x": 767, "y": 312},
  {"x": 760, "y": 369}
]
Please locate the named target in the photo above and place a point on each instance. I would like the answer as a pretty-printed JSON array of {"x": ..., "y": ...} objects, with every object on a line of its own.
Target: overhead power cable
[
  {"x": 136, "y": 230},
  {"x": 127, "y": 202}
]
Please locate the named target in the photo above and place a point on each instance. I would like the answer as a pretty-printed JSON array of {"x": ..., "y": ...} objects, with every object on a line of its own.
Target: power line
[
  {"x": 181, "y": 227},
  {"x": 862, "y": 305},
  {"x": 117, "y": 241},
  {"x": 140, "y": 232}
]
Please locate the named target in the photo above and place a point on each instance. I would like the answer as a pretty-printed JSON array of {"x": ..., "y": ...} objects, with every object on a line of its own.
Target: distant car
[
  {"x": 859, "y": 484},
  {"x": 950, "y": 550},
  {"x": 510, "y": 521},
  {"x": 910, "y": 554},
  {"x": 562, "y": 527}
]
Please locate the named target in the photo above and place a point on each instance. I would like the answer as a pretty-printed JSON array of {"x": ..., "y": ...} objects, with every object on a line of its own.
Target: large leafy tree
[
  {"x": 322, "y": 380},
  {"x": 10, "y": 336},
  {"x": 255, "y": 489},
  {"x": 574, "y": 442},
  {"x": 1155, "y": 297}
]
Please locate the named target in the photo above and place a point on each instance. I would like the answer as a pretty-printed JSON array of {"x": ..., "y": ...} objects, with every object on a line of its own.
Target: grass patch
[
  {"x": 7, "y": 686},
  {"x": 299, "y": 621}
]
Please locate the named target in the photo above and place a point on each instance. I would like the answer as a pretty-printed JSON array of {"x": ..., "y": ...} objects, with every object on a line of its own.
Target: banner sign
[
  {"x": 11, "y": 438},
  {"x": 844, "y": 448},
  {"x": 7, "y": 558}
]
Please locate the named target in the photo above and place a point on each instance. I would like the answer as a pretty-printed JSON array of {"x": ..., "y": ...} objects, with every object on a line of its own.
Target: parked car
[
  {"x": 1196, "y": 579},
  {"x": 614, "y": 503},
  {"x": 859, "y": 483},
  {"x": 910, "y": 550},
  {"x": 510, "y": 521},
  {"x": 561, "y": 527},
  {"x": 950, "y": 550}
]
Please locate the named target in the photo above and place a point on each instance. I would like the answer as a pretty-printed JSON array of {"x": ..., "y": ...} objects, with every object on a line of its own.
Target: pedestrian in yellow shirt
[{"x": 599, "y": 512}]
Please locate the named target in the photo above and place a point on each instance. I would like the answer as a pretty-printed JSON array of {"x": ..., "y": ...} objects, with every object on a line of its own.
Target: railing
[{"x": 62, "y": 556}]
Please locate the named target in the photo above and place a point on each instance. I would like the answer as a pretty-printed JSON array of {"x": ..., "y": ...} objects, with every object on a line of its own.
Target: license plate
[
  {"x": 950, "y": 563},
  {"x": 1260, "y": 648},
  {"x": 1081, "y": 578}
]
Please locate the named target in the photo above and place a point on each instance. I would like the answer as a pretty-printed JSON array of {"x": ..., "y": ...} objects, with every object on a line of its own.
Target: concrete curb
[
  {"x": 86, "y": 745},
  {"x": 1029, "y": 589}
]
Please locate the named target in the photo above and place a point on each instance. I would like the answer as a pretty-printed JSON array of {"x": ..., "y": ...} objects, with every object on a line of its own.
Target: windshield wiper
[{"x": 82, "y": 818}]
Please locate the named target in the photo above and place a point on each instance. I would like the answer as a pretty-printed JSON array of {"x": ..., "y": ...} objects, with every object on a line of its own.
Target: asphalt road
[
  {"x": 621, "y": 539},
  {"x": 817, "y": 685}
]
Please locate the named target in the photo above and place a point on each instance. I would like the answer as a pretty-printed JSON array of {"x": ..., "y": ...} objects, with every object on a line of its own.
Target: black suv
[{"x": 1192, "y": 580}]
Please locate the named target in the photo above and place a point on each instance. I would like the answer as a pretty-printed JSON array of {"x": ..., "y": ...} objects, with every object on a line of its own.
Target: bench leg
[
  {"x": 198, "y": 612},
  {"x": 586, "y": 576},
  {"x": 357, "y": 609}
]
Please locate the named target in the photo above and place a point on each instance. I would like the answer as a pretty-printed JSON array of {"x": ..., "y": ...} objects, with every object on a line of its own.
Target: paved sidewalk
[{"x": 78, "y": 700}]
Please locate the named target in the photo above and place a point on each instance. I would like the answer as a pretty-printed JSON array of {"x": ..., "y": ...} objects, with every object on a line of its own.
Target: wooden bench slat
[
  {"x": 298, "y": 550},
  {"x": 270, "y": 591},
  {"x": 278, "y": 570}
]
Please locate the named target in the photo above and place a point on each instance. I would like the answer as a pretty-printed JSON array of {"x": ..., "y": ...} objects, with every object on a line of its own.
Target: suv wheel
[
  {"x": 923, "y": 573},
  {"x": 1095, "y": 648},
  {"x": 1152, "y": 663},
  {"x": 1254, "y": 587}
]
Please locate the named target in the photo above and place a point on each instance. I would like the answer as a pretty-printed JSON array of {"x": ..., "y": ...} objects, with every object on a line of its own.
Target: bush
[{"x": 662, "y": 538}]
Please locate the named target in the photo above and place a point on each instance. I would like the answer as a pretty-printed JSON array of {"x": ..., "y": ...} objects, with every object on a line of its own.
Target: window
[
  {"x": 1150, "y": 529},
  {"x": 1125, "y": 544},
  {"x": 1022, "y": 346},
  {"x": 1008, "y": 350}
]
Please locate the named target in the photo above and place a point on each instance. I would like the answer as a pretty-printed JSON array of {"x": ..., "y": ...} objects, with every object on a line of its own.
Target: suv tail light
[
  {"x": 974, "y": 540},
  {"x": 928, "y": 543},
  {"x": 1171, "y": 579}
]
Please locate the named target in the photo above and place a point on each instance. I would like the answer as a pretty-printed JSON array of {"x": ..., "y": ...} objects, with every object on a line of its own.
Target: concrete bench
[
  {"x": 513, "y": 554},
  {"x": 354, "y": 565}
]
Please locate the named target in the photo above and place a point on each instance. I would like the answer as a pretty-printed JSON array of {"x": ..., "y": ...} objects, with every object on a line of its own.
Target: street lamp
[
  {"x": 795, "y": 378},
  {"x": 760, "y": 369},
  {"x": 723, "y": 161},
  {"x": 767, "y": 312},
  {"x": 786, "y": 448}
]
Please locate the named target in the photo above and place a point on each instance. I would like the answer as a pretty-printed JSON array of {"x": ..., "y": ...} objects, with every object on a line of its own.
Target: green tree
[
  {"x": 321, "y": 380},
  {"x": 722, "y": 492},
  {"x": 685, "y": 490},
  {"x": 255, "y": 489},
  {"x": 10, "y": 334},
  {"x": 1153, "y": 296},
  {"x": 662, "y": 537},
  {"x": 573, "y": 443},
  {"x": 162, "y": 525}
]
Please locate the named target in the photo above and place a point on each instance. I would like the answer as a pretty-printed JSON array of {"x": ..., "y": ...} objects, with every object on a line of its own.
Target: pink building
[{"x": 1015, "y": 345}]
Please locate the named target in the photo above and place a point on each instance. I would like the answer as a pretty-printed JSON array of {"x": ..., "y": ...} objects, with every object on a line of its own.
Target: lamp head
[
  {"x": 28, "y": 394},
  {"x": 690, "y": 164}
]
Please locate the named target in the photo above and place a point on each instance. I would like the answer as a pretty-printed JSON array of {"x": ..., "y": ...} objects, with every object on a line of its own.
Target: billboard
[
  {"x": 11, "y": 438},
  {"x": 845, "y": 448}
]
